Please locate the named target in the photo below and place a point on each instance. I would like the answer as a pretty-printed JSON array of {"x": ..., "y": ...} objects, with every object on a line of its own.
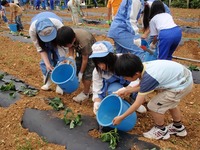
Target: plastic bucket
[
  {"x": 112, "y": 106},
  {"x": 13, "y": 27},
  {"x": 64, "y": 75}
]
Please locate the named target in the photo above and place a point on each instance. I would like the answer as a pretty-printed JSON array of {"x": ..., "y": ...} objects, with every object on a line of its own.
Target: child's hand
[
  {"x": 96, "y": 107},
  {"x": 117, "y": 120},
  {"x": 121, "y": 92}
]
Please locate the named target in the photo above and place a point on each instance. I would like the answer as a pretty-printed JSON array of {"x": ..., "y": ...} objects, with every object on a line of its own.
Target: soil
[{"x": 22, "y": 61}]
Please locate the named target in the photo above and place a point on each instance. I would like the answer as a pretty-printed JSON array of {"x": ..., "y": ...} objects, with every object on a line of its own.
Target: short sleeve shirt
[
  {"x": 114, "y": 4},
  {"x": 164, "y": 74},
  {"x": 157, "y": 23},
  {"x": 84, "y": 42}
]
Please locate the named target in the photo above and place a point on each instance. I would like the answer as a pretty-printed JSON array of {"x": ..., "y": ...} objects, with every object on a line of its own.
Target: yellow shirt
[
  {"x": 114, "y": 5},
  {"x": 15, "y": 8}
]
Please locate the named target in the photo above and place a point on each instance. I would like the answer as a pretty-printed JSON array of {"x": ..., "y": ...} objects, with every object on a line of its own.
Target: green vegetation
[
  {"x": 112, "y": 137},
  {"x": 56, "y": 103},
  {"x": 71, "y": 119}
]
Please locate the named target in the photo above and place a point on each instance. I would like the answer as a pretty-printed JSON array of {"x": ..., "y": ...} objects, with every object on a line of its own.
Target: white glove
[
  {"x": 152, "y": 46},
  {"x": 80, "y": 75},
  {"x": 96, "y": 107},
  {"x": 137, "y": 42}
]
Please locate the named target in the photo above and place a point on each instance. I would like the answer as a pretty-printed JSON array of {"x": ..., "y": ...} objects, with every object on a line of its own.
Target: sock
[
  {"x": 177, "y": 124},
  {"x": 161, "y": 127}
]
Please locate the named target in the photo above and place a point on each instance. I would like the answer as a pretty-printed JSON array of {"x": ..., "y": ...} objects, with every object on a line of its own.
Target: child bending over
[{"x": 171, "y": 80}]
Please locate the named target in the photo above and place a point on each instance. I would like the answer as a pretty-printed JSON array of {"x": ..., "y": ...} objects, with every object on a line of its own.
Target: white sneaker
[
  {"x": 157, "y": 134},
  {"x": 141, "y": 109},
  {"x": 81, "y": 97},
  {"x": 177, "y": 131},
  {"x": 59, "y": 90}
]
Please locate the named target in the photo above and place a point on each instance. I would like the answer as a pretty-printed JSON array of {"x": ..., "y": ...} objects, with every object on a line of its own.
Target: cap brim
[
  {"x": 96, "y": 55},
  {"x": 50, "y": 37}
]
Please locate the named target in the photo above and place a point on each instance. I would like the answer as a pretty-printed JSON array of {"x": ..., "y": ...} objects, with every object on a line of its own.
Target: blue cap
[
  {"x": 45, "y": 29},
  {"x": 101, "y": 49}
]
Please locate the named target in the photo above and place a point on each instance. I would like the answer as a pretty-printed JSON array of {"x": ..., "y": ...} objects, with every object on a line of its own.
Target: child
[
  {"x": 105, "y": 81},
  {"x": 112, "y": 6},
  {"x": 171, "y": 80},
  {"x": 3, "y": 14},
  {"x": 166, "y": 33},
  {"x": 16, "y": 13},
  {"x": 124, "y": 30},
  {"x": 74, "y": 6},
  {"x": 145, "y": 17},
  {"x": 43, "y": 30},
  {"x": 81, "y": 41}
]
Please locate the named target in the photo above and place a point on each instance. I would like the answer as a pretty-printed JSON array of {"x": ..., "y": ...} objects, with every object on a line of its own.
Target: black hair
[
  {"x": 109, "y": 60},
  {"x": 43, "y": 44},
  {"x": 65, "y": 35},
  {"x": 127, "y": 65},
  {"x": 157, "y": 7},
  {"x": 4, "y": 2},
  {"x": 146, "y": 16}
]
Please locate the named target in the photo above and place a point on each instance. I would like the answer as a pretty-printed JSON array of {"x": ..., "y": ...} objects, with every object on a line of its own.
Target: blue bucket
[
  {"x": 112, "y": 106},
  {"x": 64, "y": 75},
  {"x": 13, "y": 27}
]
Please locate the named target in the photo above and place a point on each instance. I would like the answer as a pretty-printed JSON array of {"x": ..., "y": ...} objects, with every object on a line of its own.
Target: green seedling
[
  {"x": 71, "y": 119},
  {"x": 12, "y": 95},
  {"x": 28, "y": 92},
  {"x": 193, "y": 68},
  {"x": 8, "y": 87},
  {"x": 1, "y": 76},
  {"x": 112, "y": 137},
  {"x": 56, "y": 103}
]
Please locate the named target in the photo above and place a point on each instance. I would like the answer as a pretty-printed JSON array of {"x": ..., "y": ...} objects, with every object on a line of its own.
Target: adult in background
[
  {"x": 80, "y": 41},
  {"x": 43, "y": 31}
]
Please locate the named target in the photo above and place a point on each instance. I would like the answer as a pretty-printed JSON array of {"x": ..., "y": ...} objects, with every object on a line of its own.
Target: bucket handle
[{"x": 69, "y": 60}]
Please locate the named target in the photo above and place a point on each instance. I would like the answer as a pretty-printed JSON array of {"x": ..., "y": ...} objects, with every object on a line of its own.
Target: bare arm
[
  {"x": 138, "y": 102},
  {"x": 46, "y": 60}
]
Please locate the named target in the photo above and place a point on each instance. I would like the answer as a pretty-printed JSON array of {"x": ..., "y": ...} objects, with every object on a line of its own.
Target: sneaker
[
  {"x": 177, "y": 131},
  {"x": 157, "y": 134},
  {"x": 141, "y": 109},
  {"x": 81, "y": 97}
]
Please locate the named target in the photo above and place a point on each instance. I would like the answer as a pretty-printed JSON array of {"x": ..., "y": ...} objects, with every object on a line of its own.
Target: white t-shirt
[
  {"x": 164, "y": 74},
  {"x": 160, "y": 22},
  {"x": 32, "y": 31}
]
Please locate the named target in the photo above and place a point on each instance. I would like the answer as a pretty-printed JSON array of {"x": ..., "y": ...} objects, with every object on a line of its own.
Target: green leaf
[
  {"x": 12, "y": 94},
  {"x": 72, "y": 125},
  {"x": 1, "y": 76}
]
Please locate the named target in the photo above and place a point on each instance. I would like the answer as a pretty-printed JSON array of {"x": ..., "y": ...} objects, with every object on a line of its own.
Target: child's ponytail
[{"x": 146, "y": 16}]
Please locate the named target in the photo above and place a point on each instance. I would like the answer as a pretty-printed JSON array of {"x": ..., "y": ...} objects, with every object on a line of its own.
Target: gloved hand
[
  {"x": 96, "y": 107},
  {"x": 137, "y": 42},
  {"x": 109, "y": 22},
  {"x": 80, "y": 75},
  {"x": 152, "y": 46}
]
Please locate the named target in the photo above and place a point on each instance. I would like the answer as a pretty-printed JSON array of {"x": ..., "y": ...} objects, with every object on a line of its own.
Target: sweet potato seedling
[
  {"x": 56, "y": 103},
  {"x": 112, "y": 137},
  {"x": 71, "y": 119}
]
